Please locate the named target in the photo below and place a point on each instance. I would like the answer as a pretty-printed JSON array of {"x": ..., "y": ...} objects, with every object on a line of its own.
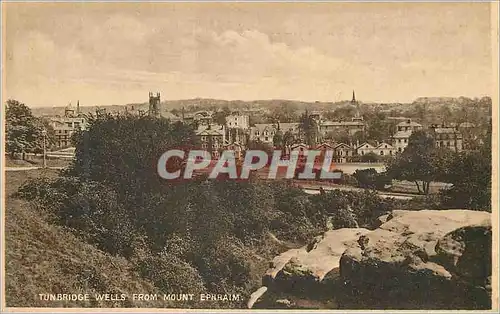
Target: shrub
[
  {"x": 370, "y": 157},
  {"x": 170, "y": 274}
]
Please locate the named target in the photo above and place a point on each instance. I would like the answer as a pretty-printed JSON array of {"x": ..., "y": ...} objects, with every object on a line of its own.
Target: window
[
  {"x": 362, "y": 152},
  {"x": 448, "y": 144},
  {"x": 385, "y": 146},
  {"x": 266, "y": 138},
  {"x": 390, "y": 152},
  {"x": 381, "y": 153}
]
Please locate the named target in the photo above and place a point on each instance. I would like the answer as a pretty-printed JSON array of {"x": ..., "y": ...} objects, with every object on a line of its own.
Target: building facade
[
  {"x": 65, "y": 126},
  {"x": 447, "y": 137},
  {"x": 404, "y": 130},
  {"x": 211, "y": 138}
]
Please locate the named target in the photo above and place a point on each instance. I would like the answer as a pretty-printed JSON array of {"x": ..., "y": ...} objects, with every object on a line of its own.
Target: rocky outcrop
[
  {"x": 307, "y": 271},
  {"x": 429, "y": 259}
]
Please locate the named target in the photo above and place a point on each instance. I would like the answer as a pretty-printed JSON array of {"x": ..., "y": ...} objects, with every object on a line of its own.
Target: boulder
[
  {"x": 428, "y": 259},
  {"x": 254, "y": 297},
  {"x": 306, "y": 271}
]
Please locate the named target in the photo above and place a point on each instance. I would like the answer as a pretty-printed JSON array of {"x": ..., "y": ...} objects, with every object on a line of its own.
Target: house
[
  {"x": 447, "y": 137},
  {"x": 364, "y": 149},
  {"x": 211, "y": 138},
  {"x": 384, "y": 149},
  {"x": 301, "y": 147},
  {"x": 404, "y": 131},
  {"x": 400, "y": 140},
  {"x": 408, "y": 125},
  {"x": 324, "y": 147},
  {"x": 65, "y": 126},
  {"x": 263, "y": 132},
  {"x": 237, "y": 121},
  {"x": 343, "y": 152}
]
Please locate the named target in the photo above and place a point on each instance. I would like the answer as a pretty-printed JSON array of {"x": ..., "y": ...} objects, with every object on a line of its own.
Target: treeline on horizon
[{"x": 211, "y": 103}]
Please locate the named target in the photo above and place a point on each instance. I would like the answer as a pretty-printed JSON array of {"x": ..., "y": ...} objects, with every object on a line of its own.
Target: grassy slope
[{"x": 43, "y": 258}]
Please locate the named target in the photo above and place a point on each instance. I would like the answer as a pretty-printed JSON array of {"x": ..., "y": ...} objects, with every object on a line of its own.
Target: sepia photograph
[{"x": 177, "y": 156}]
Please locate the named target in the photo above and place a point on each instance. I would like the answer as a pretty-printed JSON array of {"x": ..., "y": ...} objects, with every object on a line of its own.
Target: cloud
[
  {"x": 252, "y": 53},
  {"x": 118, "y": 55}
]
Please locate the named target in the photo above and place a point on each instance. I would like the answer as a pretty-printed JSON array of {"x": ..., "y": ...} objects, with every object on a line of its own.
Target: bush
[
  {"x": 170, "y": 274},
  {"x": 351, "y": 209},
  {"x": 371, "y": 179},
  {"x": 370, "y": 157}
]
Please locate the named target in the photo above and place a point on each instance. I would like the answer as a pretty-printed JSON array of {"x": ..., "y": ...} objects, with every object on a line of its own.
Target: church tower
[{"x": 154, "y": 105}]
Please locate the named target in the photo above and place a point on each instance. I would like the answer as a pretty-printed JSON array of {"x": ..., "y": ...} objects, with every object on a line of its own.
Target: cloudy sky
[{"x": 109, "y": 53}]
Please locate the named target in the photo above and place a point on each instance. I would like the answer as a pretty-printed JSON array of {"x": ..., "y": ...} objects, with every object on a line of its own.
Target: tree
[
  {"x": 470, "y": 175},
  {"x": 23, "y": 130},
  {"x": 421, "y": 161},
  {"x": 308, "y": 128},
  {"x": 341, "y": 136},
  {"x": 220, "y": 116},
  {"x": 359, "y": 137},
  {"x": 284, "y": 113},
  {"x": 127, "y": 147},
  {"x": 345, "y": 112},
  {"x": 278, "y": 139}
]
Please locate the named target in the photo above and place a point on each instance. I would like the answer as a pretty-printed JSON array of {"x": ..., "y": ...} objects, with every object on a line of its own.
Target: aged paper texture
[{"x": 324, "y": 156}]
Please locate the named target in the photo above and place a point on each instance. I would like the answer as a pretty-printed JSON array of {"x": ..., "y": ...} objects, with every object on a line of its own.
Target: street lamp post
[{"x": 44, "y": 134}]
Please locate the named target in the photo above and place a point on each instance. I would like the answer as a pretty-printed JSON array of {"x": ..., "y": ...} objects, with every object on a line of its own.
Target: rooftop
[{"x": 402, "y": 134}]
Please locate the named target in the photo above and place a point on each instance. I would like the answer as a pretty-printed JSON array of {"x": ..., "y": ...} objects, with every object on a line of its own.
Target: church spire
[{"x": 354, "y": 102}]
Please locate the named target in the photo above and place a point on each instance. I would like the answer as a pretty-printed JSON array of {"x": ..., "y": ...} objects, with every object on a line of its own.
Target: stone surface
[
  {"x": 307, "y": 270},
  {"x": 429, "y": 259},
  {"x": 254, "y": 297}
]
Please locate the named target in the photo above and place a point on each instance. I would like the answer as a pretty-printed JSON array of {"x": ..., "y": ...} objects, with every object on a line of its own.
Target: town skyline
[{"x": 112, "y": 54}]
